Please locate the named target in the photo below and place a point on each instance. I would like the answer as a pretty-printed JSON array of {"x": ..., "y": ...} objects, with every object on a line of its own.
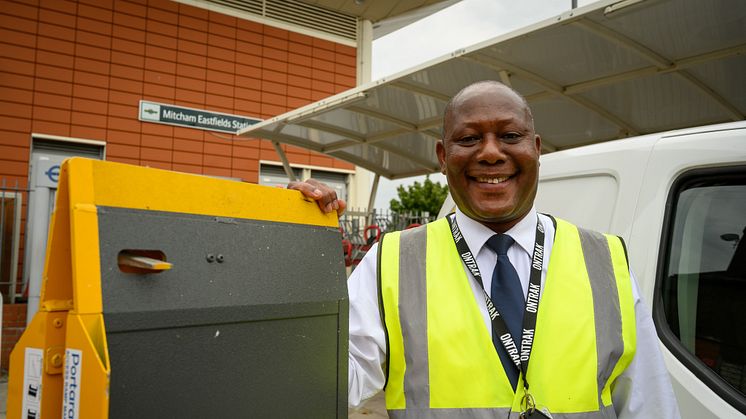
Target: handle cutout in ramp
[{"x": 139, "y": 261}]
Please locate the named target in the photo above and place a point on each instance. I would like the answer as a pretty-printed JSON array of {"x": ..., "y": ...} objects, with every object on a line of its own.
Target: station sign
[{"x": 193, "y": 118}]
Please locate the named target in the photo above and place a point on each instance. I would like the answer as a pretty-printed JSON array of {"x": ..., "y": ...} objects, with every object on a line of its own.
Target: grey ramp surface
[{"x": 262, "y": 334}]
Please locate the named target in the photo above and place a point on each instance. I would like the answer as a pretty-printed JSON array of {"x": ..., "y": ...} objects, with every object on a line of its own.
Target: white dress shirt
[{"x": 643, "y": 390}]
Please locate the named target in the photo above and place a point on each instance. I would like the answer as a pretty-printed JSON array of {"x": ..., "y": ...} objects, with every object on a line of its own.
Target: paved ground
[
  {"x": 374, "y": 409},
  {"x": 3, "y": 395}
]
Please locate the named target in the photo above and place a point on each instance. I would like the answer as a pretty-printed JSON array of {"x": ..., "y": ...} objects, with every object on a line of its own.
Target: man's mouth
[{"x": 491, "y": 179}]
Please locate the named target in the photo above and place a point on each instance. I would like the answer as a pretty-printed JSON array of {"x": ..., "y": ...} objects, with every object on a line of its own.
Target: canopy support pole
[
  {"x": 372, "y": 200},
  {"x": 284, "y": 160}
]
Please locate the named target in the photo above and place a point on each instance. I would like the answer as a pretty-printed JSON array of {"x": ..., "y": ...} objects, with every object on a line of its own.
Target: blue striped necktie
[{"x": 507, "y": 295}]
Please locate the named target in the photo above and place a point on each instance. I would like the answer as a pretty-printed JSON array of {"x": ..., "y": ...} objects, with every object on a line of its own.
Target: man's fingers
[
  {"x": 307, "y": 189},
  {"x": 342, "y": 205},
  {"x": 325, "y": 197},
  {"x": 314, "y": 193}
]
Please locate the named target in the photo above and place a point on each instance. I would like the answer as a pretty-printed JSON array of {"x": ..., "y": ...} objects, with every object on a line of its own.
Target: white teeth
[{"x": 492, "y": 179}]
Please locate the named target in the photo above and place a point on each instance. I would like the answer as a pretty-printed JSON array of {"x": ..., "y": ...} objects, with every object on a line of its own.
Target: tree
[{"x": 428, "y": 196}]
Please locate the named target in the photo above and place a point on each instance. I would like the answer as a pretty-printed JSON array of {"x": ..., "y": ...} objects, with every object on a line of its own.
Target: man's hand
[{"x": 320, "y": 192}]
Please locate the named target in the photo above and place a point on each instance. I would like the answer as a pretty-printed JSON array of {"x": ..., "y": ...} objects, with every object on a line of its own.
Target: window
[
  {"x": 271, "y": 175},
  {"x": 594, "y": 208},
  {"x": 10, "y": 220},
  {"x": 702, "y": 279},
  {"x": 335, "y": 180}
]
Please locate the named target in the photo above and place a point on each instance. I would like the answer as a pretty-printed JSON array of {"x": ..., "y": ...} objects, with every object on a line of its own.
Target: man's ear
[
  {"x": 440, "y": 150},
  {"x": 537, "y": 140}
]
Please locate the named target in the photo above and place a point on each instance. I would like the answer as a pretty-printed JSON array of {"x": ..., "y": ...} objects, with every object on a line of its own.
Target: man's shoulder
[
  {"x": 418, "y": 232},
  {"x": 413, "y": 229},
  {"x": 557, "y": 222},
  {"x": 562, "y": 226}
]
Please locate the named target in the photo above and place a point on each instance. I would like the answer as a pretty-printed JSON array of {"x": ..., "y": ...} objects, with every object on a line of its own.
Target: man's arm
[
  {"x": 644, "y": 389},
  {"x": 367, "y": 339}
]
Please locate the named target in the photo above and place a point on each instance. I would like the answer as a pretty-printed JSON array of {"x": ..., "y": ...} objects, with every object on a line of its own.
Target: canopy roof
[{"x": 605, "y": 71}]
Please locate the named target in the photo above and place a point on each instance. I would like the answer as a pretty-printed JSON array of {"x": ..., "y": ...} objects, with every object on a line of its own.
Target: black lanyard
[{"x": 532, "y": 300}]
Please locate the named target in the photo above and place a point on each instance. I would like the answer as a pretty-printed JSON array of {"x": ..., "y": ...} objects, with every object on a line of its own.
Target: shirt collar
[{"x": 476, "y": 234}]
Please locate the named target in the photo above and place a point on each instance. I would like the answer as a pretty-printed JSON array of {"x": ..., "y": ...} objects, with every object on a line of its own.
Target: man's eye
[
  {"x": 512, "y": 137},
  {"x": 469, "y": 139}
]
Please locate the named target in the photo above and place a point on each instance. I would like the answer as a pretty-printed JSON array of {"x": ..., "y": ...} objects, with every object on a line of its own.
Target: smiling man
[{"x": 497, "y": 311}]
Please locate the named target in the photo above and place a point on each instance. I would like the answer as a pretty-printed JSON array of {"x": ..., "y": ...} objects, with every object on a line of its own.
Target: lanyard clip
[{"x": 527, "y": 403}]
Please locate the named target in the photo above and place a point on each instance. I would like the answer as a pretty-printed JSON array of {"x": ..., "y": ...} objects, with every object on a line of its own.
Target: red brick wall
[
  {"x": 14, "y": 323},
  {"x": 79, "y": 69}
]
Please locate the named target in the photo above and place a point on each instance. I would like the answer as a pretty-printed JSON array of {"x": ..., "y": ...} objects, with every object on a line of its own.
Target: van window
[{"x": 702, "y": 283}]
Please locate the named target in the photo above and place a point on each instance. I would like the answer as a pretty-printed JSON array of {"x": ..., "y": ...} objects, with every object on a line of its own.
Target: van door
[{"x": 688, "y": 241}]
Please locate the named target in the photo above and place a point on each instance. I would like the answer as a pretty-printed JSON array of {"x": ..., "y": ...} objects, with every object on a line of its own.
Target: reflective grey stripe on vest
[
  {"x": 606, "y": 310},
  {"x": 605, "y": 413},
  {"x": 413, "y": 307},
  {"x": 425, "y": 413}
]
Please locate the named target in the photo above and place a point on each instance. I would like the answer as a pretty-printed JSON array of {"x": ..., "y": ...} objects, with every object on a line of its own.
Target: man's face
[{"x": 490, "y": 155}]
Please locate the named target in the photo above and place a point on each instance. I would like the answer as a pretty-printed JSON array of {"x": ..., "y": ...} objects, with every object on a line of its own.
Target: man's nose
[{"x": 491, "y": 150}]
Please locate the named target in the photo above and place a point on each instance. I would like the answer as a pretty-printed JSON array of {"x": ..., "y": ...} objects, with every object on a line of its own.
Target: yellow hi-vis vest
[{"x": 441, "y": 360}]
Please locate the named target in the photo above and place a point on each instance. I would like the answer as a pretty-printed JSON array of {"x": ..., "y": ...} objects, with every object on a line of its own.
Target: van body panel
[
  {"x": 571, "y": 178},
  {"x": 671, "y": 157}
]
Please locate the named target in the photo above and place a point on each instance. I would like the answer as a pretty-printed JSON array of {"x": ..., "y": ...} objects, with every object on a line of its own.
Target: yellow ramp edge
[{"x": 126, "y": 186}]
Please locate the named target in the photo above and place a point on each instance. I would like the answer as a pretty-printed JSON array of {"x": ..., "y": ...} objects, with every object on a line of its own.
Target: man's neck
[
  {"x": 476, "y": 233},
  {"x": 501, "y": 227}
]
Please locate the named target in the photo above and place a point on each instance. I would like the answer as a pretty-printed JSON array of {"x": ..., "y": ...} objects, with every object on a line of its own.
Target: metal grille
[
  {"x": 361, "y": 229},
  {"x": 298, "y": 13}
]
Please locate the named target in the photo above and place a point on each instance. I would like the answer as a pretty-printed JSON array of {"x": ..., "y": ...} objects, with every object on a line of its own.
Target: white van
[{"x": 679, "y": 200}]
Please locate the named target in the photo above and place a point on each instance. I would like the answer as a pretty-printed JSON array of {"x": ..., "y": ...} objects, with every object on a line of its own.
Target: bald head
[{"x": 484, "y": 86}]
